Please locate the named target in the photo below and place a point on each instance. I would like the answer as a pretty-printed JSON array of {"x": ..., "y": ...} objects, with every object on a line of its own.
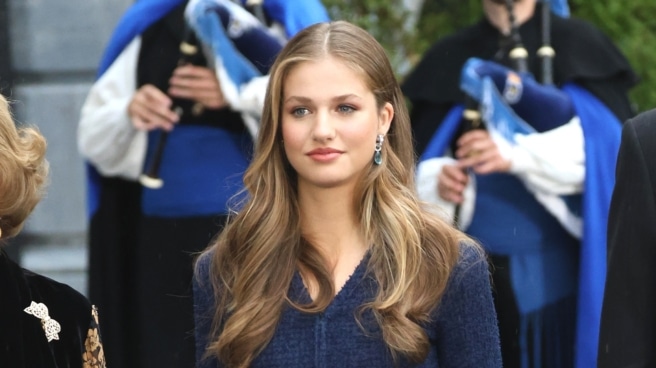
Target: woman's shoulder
[
  {"x": 470, "y": 274},
  {"x": 202, "y": 285},
  {"x": 470, "y": 253},
  {"x": 73, "y": 319},
  {"x": 202, "y": 265},
  {"x": 465, "y": 323},
  {"x": 471, "y": 258},
  {"x": 22, "y": 288},
  {"x": 61, "y": 299}
]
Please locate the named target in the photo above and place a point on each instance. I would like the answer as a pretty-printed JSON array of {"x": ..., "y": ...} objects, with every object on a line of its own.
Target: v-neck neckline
[{"x": 351, "y": 283}]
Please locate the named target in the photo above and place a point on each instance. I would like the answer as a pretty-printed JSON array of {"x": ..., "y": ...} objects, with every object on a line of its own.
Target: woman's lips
[{"x": 324, "y": 154}]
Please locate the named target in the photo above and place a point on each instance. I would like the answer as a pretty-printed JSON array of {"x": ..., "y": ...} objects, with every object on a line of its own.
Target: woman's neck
[
  {"x": 329, "y": 222},
  {"x": 498, "y": 16}
]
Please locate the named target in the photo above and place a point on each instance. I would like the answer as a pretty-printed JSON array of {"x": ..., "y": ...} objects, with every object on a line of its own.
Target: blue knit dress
[{"x": 463, "y": 332}]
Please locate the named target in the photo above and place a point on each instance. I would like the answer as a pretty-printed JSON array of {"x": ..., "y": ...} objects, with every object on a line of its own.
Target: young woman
[
  {"x": 331, "y": 261},
  {"x": 43, "y": 323}
]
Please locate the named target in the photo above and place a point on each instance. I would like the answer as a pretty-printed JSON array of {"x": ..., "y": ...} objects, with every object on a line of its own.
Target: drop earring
[{"x": 378, "y": 156}]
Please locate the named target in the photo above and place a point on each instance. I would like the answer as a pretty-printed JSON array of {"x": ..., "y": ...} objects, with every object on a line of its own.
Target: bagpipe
[
  {"x": 242, "y": 46},
  {"x": 507, "y": 100},
  {"x": 490, "y": 84},
  {"x": 512, "y": 104}
]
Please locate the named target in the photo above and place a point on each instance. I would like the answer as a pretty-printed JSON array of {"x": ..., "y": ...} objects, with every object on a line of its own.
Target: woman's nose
[{"x": 323, "y": 127}]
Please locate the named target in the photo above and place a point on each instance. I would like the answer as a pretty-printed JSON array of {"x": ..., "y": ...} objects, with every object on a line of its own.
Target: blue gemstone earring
[{"x": 378, "y": 156}]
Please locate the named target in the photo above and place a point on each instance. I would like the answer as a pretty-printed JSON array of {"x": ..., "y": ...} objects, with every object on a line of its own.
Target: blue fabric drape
[{"x": 602, "y": 131}]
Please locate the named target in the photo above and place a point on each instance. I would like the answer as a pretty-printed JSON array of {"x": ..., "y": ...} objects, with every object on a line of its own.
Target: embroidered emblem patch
[
  {"x": 512, "y": 92},
  {"x": 236, "y": 28}
]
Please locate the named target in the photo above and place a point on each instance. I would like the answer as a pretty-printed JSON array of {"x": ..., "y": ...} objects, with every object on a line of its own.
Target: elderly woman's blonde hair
[{"x": 23, "y": 172}]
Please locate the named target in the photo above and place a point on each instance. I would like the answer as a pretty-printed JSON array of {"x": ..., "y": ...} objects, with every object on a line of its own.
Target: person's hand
[
  {"x": 451, "y": 183},
  {"x": 477, "y": 150},
  {"x": 150, "y": 109},
  {"x": 197, "y": 83}
]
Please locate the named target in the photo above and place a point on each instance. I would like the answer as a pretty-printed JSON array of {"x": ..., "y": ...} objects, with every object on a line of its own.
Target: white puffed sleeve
[{"x": 106, "y": 136}]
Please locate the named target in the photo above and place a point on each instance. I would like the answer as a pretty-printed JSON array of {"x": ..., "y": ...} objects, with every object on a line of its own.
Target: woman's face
[{"x": 329, "y": 123}]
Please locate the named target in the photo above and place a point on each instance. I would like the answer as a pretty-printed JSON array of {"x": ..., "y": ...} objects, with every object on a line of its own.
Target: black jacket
[
  {"x": 628, "y": 321},
  {"x": 23, "y": 342}
]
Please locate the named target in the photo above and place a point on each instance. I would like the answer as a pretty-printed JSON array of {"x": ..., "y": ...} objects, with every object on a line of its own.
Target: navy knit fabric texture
[{"x": 463, "y": 332}]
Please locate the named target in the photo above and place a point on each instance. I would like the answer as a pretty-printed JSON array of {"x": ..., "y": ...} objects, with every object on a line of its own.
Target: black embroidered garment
[{"x": 44, "y": 323}]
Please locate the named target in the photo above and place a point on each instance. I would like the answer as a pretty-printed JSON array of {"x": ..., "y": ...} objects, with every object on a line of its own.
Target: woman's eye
[
  {"x": 345, "y": 109},
  {"x": 300, "y": 111}
]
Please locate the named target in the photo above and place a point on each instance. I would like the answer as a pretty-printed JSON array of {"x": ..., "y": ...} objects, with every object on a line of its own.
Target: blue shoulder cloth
[
  {"x": 602, "y": 132},
  {"x": 136, "y": 19}
]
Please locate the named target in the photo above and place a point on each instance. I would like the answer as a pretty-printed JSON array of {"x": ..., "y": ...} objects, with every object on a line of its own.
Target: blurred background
[{"x": 49, "y": 51}]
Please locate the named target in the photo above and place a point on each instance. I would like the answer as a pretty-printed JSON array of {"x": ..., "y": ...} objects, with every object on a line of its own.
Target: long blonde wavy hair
[
  {"x": 254, "y": 258},
  {"x": 23, "y": 172}
]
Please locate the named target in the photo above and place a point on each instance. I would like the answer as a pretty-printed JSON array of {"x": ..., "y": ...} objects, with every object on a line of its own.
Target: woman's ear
[{"x": 385, "y": 118}]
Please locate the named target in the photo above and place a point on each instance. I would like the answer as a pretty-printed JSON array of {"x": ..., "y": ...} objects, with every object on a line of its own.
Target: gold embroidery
[{"x": 94, "y": 355}]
